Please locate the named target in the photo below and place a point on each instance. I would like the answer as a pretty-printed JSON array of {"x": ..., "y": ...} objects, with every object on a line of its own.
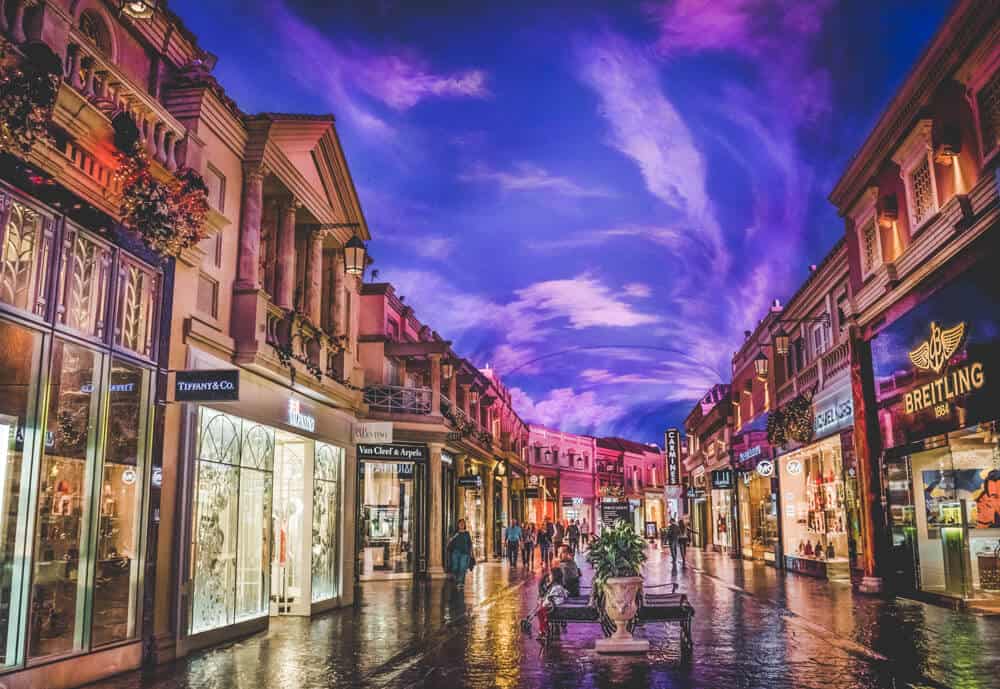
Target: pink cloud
[
  {"x": 637, "y": 289},
  {"x": 566, "y": 408}
]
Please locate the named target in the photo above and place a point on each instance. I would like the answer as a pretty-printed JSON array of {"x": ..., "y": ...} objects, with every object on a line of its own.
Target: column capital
[{"x": 254, "y": 172}]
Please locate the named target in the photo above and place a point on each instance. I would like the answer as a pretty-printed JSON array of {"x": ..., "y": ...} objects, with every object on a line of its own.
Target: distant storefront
[{"x": 757, "y": 496}]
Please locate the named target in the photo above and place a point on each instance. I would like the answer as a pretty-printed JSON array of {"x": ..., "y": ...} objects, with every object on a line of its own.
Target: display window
[
  {"x": 815, "y": 520},
  {"x": 944, "y": 510},
  {"x": 388, "y": 503},
  {"x": 475, "y": 520},
  {"x": 758, "y": 507},
  {"x": 326, "y": 522},
  {"x": 231, "y": 525},
  {"x": 722, "y": 519}
]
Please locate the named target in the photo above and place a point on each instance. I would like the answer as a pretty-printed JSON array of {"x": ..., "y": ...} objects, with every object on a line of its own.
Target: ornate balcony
[
  {"x": 836, "y": 360},
  {"x": 396, "y": 399},
  {"x": 293, "y": 338}
]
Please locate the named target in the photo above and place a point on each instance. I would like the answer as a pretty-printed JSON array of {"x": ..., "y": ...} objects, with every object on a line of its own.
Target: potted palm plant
[{"x": 617, "y": 556}]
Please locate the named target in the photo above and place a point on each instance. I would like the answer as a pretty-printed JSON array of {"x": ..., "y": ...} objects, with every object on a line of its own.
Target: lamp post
[
  {"x": 355, "y": 253},
  {"x": 782, "y": 341}
]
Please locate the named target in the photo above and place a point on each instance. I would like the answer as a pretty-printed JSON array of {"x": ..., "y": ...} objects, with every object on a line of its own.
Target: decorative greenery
[
  {"x": 169, "y": 217},
  {"x": 794, "y": 421},
  {"x": 776, "y": 435},
  {"x": 27, "y": 95},
  {"x": 618, "y": 552}
]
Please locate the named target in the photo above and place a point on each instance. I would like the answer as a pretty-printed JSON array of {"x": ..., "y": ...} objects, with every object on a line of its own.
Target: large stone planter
[{"x": 620, "y": 605}]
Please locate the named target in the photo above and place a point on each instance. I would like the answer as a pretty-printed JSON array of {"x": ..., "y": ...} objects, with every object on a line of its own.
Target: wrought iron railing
[{"x": 398, "y": 400}]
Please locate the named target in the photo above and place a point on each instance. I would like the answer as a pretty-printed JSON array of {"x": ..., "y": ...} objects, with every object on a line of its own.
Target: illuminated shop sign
[
  {"x": 722, "y": 479},
  {"x": 765, "y": 467},
  {"x": 673, "y": 442},
  {"x": 207, "y": 386},
  {"x": 934, "y": 366},
  {"x": 298, "y": 418},
  {"x": 834, "y": 416},
  {"x": 474, "y": 481},
  {"x": 794, "y": 467},
  {"x": 373, "y": 432},
  {"x": 751, "y": 453},
  {"x": 405, "y": 452}
]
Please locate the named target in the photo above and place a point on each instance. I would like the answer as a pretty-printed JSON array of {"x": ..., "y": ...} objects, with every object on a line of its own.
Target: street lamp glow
[{"x": 354, "y": 256}]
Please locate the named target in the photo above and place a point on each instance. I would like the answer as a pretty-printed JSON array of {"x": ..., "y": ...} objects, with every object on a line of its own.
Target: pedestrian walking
[
  {"x": 528, "y": 546},
  {"x": 545, "y": 542},
  {"x": 683, "y": 533},
  {"x": 585, "y": 532},
  {"x": 513, "y": 537},
  {"x": 573, "y": 535},
  {"x": 559, "y": 535},
  {"x": 460, "y": 554},
  {"x": 671, "y": 537}
]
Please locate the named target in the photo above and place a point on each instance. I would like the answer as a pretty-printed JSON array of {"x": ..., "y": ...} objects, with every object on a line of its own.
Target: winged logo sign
[{"x": 934, "y": 352}]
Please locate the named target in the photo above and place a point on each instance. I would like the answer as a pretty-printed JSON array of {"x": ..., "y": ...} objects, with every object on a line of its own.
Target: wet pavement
[{"x": 754, "y": 627}]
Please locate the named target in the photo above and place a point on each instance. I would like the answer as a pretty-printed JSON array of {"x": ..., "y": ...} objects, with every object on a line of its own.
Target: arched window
[{"x": 92, "y": 26}]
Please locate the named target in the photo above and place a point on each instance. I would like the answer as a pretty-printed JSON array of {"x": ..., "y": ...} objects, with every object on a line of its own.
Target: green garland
[
  {"x": 794, "y": 421},
  {"x": 27, "y": 97}
]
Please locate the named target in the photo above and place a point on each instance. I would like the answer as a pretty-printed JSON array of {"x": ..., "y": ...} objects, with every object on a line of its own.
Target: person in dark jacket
[
  {"x": 573, "y": 536},
  {"x": 460, "y": 553},
  {"x": 545, "y": 543}
]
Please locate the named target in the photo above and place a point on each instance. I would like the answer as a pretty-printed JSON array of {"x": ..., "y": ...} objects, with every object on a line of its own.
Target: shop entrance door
[{"x": 292, "y": 524}]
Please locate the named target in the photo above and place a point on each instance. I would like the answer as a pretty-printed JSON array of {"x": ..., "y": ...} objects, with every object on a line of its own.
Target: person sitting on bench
[
  {"x": 555, "y": 595},
  {"x": 570, "y": 571}
]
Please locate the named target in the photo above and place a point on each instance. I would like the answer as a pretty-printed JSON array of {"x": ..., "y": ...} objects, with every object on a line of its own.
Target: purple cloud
[{"x": 529, "y": 177}]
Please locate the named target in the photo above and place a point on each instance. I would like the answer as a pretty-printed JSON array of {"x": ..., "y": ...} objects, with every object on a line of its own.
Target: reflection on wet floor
[{"x": 753, "y": 628}]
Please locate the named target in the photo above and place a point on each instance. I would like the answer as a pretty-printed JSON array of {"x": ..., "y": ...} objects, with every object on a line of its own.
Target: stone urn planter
[{"x": 620, "y": 605}]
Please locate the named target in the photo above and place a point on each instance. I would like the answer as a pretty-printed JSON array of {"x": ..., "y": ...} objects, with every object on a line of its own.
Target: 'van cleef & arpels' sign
[{"x": 408, "y": 453}]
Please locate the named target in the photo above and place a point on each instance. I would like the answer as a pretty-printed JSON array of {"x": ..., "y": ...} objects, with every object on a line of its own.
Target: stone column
[
  {"x": 247, "y": 275},
  {"x": 401, "y": 369},
  {"x": 269, "y": 236},
  {"x": 435, "y": 384},
  {"x": 453, "y": 388},
  {"x": 866, "y": 450},
  {"x": 477, "y": 412},
  {"x": 435, "y": 546},
  {"x": 314, "y": 277},
  {"x": 339, "y": 296},
  {"x": 466, "y": 392},
  {"x": 488, "y": 527},
  {"x": 284, "y": 278}
]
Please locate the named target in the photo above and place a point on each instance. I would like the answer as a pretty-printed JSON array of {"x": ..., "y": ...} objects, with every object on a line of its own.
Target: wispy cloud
[
  {"x": 637, "y": 289},
  {"x": 646, "y": 127},
  {"x": 353, "y": 78},
  {"x": 530, "y": 177}
]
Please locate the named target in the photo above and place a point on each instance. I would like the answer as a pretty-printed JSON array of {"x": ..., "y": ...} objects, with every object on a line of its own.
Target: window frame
[{"x": 915, "y": 150}]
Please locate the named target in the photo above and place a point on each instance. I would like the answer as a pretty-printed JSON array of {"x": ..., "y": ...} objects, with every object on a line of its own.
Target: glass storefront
[
  {"x": 722, "y": 519},
  {"x": 75, "y": 418},
  {"x": 266, "y": 522},
  {"x": 474, "y": 510},
  {"x": 326, "y": 522},
  {"x": 388, "y": 500},
  {"x": 944, "y": 513},
  {"x": 758, "y": 506},
  {"x": 815, "y": 520}
]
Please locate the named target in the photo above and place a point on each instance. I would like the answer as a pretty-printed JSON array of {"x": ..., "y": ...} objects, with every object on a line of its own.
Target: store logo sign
[
  {"x": 207, "y": 386},
  {"x": 840, "y": 414},
  {"x": 373, "y": 432},
  {"x": 298, "y": 418},
  {"x": 794, "y": 467},
  {"x": 933, "y": 355},
  {"x": 765, "y": 467},
  {"x": 751, "y": 453},
  {"x": 673, "y": 442}
]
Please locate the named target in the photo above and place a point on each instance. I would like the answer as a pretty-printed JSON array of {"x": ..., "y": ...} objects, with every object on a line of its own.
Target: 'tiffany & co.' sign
[{"x": 207, "y": 386}]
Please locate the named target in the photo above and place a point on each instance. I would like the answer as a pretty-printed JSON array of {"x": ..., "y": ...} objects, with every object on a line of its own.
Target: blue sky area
[{"x": 542, "y": 176}]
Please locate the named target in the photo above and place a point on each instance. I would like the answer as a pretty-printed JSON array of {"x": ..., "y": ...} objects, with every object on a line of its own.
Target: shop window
[
  {"x": 871, "y": 247},
  {"x": 19, "y": 364},
  {"x": 25, "y": 246},
  {"x": 117, "y": 569},
  {"x": 208, "y": 296},
  {"x": 232, "y": 521},
  {"x": 58, "y": 579},
  {"x": 923, "y": 198},
  {"x": 388, "y": 501},
  {"x": 84, "y": 279},
  {"x": 326, "y": 521},
  {"x": 988, "y": 104},
  {"x": 138, "y": 296}
]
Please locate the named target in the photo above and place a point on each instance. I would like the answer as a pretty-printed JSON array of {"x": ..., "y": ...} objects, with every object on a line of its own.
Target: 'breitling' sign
[{"x": 933, "y": 354}]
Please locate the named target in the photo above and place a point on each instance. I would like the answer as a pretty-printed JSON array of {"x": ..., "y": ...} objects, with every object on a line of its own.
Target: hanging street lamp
[
  {"x": 760, "y": 365},
  {"x": 447, "y": 369},
  {"x": 355, "y": 254},
  {"x": 781, "y": 342}
]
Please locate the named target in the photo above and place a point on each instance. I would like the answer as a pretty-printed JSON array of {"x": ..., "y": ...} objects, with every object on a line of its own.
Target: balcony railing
[
  {"x": 108, "y": 88},
  {"x": 836, "y": 360},
  {"x": 396, "y": 399},
  {"x": 294, "y": 339},
  {"x": 809, "y": 376}
]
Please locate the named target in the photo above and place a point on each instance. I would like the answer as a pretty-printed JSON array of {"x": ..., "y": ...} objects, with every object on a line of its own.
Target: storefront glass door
[
  {"x": 389, "y": 505},
  {"x": 326, "y": 522},
  {"x": 292, "y": 524}
]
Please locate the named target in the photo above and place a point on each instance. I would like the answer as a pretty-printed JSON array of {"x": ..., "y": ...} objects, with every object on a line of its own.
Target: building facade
[
  {"x": 920, "y": 203},
  {"x": 640, "y": 471},
  {"x": 561, "y": 477},
  {"x": 711, "y": 500}
]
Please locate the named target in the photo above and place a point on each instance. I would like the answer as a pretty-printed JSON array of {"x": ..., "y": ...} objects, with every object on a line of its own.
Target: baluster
[
  {"x": 151, "y": 138},
  {"x": 172, "y": 143},
  {"x": 89, "y": 71},
  {"x": 161, "y": 135},
  {"x": 74, "y": 67}
]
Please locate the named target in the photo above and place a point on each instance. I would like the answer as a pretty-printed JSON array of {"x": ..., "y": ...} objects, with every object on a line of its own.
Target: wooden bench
[{"x": 663, "y": 607}]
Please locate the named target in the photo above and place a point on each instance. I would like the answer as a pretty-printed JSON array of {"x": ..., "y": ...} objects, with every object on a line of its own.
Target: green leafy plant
[{"x": 618, "y": 552}]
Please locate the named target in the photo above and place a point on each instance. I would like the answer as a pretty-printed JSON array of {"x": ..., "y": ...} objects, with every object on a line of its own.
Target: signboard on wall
[
  {"x": 408, "y": 453},
  {"x": 474, "y": 481},
  {"x": 722, "y": 479},
  {"x": 612, "y": 512},
  {"x": 207, "y": 386},
  {"x": 937, "y": 366},
  {"x": 373, "y": 432},
  {"x": 673, "y": 445}
]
